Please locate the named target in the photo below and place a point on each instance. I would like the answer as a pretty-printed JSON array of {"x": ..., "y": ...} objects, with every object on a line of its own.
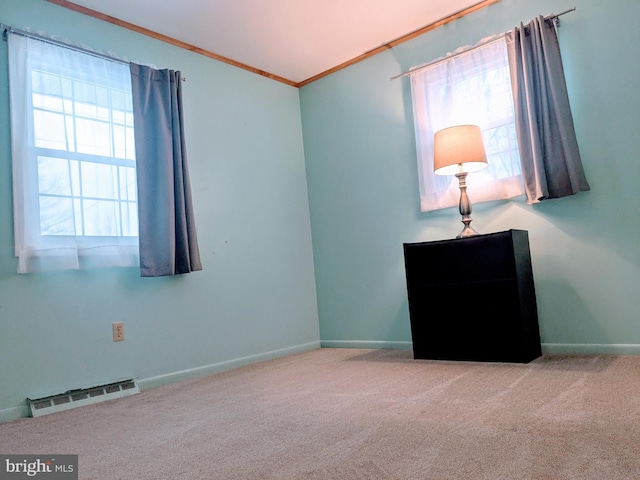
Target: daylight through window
[
  {"x": 83, "y": 134},
  {"x": 469, "y": 88},
  {"x": 73, "y": 155}
]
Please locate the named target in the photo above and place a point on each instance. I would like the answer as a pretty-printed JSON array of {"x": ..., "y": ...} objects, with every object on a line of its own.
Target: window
[
  {"x": 83, "y": 139},
  {"x": 75, "y": 201},
  {"x": 473, "y": 87}
]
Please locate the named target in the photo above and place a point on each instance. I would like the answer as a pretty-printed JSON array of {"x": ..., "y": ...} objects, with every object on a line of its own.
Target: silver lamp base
[
  {"x": 468, "y": 230},
  {"x": 465, "y": 207}
]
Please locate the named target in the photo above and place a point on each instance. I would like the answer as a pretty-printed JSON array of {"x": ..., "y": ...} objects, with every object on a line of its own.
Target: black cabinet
[{"x": 473, "y": 298}]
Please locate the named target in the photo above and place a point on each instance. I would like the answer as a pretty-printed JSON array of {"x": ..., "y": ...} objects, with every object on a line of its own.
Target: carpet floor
[{"x": 361, "y": 414}]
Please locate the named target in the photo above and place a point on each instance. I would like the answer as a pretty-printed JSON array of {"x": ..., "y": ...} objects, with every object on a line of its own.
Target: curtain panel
[
  {"x": 514, "y": 88},
  {"x": 167, "y": 231},
  {"x": 549, "y": 154}
]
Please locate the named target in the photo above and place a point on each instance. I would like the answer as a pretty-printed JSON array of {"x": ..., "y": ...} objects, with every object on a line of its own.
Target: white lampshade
[{"x": 458, "y": 149}]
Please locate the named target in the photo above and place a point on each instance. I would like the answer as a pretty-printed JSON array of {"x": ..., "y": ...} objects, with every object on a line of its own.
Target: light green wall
[
  {"x": 362, "y": 180},
  {"x": 255, "y": 297}
]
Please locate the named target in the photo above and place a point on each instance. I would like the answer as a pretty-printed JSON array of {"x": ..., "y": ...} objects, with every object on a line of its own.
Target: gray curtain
[
  {"x": 551, "y": 164},
  {"x": 167, "y": 232}
]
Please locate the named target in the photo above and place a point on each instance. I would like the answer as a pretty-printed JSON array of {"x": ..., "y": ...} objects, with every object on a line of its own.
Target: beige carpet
[{"x": 361, "y": 414}]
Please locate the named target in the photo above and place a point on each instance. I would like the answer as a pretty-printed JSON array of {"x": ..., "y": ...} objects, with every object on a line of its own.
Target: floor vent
[{"x": 81, "y": 397}]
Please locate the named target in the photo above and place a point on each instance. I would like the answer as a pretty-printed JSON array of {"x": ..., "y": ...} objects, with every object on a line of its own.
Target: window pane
[
  {"x": 71, "y": 133},
  {"x": 93, "y": 137},
  {"x": 91, "y": 110},
  {"x": 120, "y": 100},
  {"x": 51, "y": 84},
  {"x": 118, "y": 116},
  {"x": 101, "y": 218},
  {"x": 502, "y": 150},
  {"x": 99, "y": 180},
  {"x": 90, "y": 192},
  {"x": 506, "y": 164},
  {"x": 48, "y": 102},
  {"x": 75, "y": 177},
  {"x": 56, "y": 216},
  {"x": 128, "y": 186},
  {"x": 91, "y": 100},
  {"x": 129, "y": 219},
  {"x": 119, "y": 142},
  {"x": 54, "y": 176},
  {"x": 77, "y": 206},
  {"x": 49, "y": 130},
  {"x": 130, "y": 144}
]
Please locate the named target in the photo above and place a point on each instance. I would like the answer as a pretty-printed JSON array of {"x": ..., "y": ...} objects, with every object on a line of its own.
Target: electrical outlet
[{"x": 118, "y": 331}]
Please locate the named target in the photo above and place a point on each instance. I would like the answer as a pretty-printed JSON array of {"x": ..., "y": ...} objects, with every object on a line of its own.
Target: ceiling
[{"x": 292, "y": 39}]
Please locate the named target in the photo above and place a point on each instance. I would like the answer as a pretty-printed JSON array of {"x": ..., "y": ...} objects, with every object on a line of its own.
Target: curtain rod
[
  {"x": 8, "y": 29},
  {"x": 553, "y": 16},
  {"x": 60, "y": 43}
]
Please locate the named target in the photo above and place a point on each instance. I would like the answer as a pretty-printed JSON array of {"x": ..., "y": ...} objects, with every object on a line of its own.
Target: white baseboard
[
  {"x": 160, "y": 380},
  {"x": 369, "y": 344},
  {"x": 14, "y": 413},
  {"x": 551, "y": 348},
  {"x": 590, "y": 349}
]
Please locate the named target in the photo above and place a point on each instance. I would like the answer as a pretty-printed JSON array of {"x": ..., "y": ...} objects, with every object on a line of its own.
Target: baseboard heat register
[{"x": 80, "y": 397}]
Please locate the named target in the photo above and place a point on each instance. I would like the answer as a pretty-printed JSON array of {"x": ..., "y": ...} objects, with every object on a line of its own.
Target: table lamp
[{"x": 459, "y": 151}]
